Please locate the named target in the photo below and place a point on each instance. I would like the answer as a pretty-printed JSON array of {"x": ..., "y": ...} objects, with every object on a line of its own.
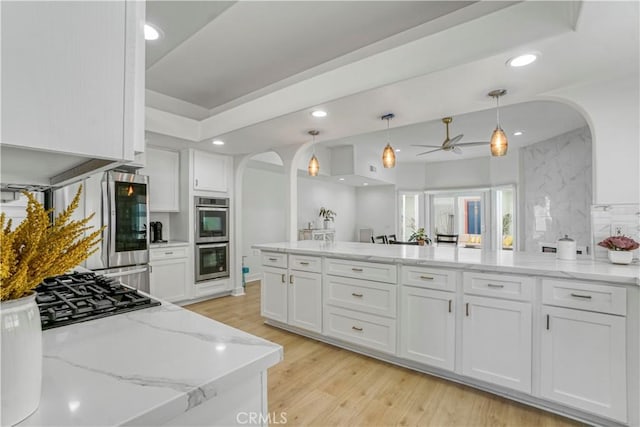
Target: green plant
[
  {"x": 419, "y": 234},
  {"x": 328, "y": 214},
  {"x": 506, "y": 224}
]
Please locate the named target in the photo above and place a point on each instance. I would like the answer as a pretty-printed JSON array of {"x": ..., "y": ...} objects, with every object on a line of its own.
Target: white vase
[
  {"x": 620, "y": 257},
  {"x": 21, "y": 358}
]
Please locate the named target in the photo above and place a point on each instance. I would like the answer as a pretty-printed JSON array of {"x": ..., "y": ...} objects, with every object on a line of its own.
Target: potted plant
[
  {"x": 620, "y": 248},
  {"x": 328, "y": 215},
  {"x": 34, "y": 250},
  {"x": 420, "y": 236}
]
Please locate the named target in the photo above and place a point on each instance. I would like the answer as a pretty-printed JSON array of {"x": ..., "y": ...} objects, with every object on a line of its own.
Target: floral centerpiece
[
  {"x": 34, "y": 250},
  {"x": 328, "y": 215},
  {"x": 620, "y": 248}
]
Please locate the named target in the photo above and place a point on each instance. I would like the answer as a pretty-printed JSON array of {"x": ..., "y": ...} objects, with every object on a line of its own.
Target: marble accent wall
[
  {"x": 605, "y": 219},
  {"x": 557, "y": 187}
]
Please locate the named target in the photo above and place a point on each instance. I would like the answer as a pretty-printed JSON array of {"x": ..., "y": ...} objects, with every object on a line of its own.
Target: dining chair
[
  {"x": 391, "y": 238},
  {"x": 379, "y": 239},
  {"x": 447, "y": 238}
]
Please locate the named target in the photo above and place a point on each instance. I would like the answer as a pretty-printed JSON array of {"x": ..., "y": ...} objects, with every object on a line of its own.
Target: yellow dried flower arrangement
[{"x": 37, "y": 249}]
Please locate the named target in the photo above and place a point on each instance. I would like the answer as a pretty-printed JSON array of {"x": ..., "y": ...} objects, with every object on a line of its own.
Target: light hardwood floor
[{"x": 321, "y": 385}]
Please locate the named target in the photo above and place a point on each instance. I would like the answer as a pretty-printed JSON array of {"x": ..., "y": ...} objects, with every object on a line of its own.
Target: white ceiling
[{"x": 456, "y": 60}]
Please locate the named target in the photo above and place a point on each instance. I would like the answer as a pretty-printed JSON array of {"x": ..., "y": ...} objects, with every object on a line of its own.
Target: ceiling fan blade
[
  {"x": 455, "y": 139},
  {"x": 457, "y": 150},
  {"x": 428, "y": 146},
  {"x": 471, "y": 144},
  {"x": 427, "y": 152}
]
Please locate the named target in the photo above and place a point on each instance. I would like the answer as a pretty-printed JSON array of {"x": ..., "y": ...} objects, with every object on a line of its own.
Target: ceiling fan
[{"x": 449, "y": 144}]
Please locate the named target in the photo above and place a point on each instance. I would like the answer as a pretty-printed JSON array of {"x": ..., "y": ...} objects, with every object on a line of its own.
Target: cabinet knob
[
  {"x": 580, "y": 296},
  {"x": 304, "y": 263},
  {"x": 357, "y": 269},
  {"x": 355, "y": 328},
  {"x": 284, "y": 280},
  {"x": 291, "y": 279},
  {"x": 426, "y": 277},
  {"x": 492, "y": 285},
  {"x": 356, "y": 295}
]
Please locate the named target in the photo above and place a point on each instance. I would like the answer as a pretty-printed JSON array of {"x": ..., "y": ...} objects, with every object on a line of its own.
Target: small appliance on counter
[
  {"x": 566, "y": 249},
  {"x": 156, "y": 231}
]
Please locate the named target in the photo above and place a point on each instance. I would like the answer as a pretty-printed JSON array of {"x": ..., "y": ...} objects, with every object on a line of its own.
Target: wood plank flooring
[{"x": 321, "y": 385}]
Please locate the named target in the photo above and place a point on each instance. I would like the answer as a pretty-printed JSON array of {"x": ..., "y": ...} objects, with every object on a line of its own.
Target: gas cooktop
[{"x": 79, "y": 297}]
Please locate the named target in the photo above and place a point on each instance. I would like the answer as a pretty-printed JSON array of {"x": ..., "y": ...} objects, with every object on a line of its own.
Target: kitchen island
[
  {"x": 157, "y": 366},
  {"x": 560, "y": 335}
]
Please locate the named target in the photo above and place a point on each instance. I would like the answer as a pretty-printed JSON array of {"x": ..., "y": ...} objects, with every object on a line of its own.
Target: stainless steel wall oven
[{"x": 212, "y": 238}]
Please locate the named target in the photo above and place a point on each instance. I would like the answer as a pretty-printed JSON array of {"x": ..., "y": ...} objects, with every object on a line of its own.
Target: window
[{"x": 409, "y": 214}]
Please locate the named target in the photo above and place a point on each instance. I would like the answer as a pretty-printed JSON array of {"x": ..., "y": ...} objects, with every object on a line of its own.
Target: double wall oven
[{"x": 212, "y": 238}]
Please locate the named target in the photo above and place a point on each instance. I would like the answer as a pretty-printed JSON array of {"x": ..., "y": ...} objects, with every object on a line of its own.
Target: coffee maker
[{"x": 156, "y": 230}]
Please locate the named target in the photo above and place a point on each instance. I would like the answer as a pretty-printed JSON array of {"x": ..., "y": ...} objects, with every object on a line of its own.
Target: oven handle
[
  {"x": 210, "y": 209},
  {"x": 125, "y": 273},
  {"x": 211, "y": 245}
]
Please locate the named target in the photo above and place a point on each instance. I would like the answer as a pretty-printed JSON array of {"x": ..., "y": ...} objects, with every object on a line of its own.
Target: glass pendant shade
[
  {"x": 499, "y": 142},
  {"x": 388, "y": 157},
  {"x": 314, "y": 166}
]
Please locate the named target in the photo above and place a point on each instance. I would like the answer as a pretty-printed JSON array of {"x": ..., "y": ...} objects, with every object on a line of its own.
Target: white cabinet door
[
  {"x": 273, "y": 294},
  {"x": 583, "y": 361},
  {"x": 69, "y": 77},
  {"x": 427, "y": 327},
  {"x": 163, "y": 169},
  {"x": 210, "y": 171},
  {"x": 305, "y": 300},
  {"x": 168, "y": 279},
  {"x": 496, "y": 341}
]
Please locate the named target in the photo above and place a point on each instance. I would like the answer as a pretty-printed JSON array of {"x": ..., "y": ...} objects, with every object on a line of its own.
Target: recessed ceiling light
[
  {"x": 340, "y": 179},
  {"x": 319, "y": 113},
  {"x": 151, "y": 33},
  {"x": 522, "y": 60},
  {"x": 217, "y": 142},
  {"x": 365, "y": 184},
  {"x": 518, "y": 133}
]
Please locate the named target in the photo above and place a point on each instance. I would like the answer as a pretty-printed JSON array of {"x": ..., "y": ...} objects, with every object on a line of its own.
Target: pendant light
[
  {"x": 314, "y": 165},
  {"x": 499, "y": 142},
  {"x": 388, "y": 154}
]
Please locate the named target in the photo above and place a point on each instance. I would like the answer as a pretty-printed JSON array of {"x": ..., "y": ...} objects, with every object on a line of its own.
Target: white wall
[
  {"x": 315, "y": 193},
  {"x": 264, "y": 208},
  {"x": 474, "y": 172},
  {"x": 376, "y": 207},
  {"x": 411, "y": 176}
]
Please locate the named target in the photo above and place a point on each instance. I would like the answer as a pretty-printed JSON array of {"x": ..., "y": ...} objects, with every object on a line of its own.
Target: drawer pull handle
[
  {"x": 168, "y": 253},
  {"x": 426, "y": 277},
  {"x": 304, "y": 263},
  {"x": 356, "y": 295},
  {"x": 357, "y": 269},
  {"x": 581, "y": 296},
  {"x": 284, "y": 280},
  {"x": 491, "y": 285},
  {"x": 449, "y": 306},
  {"x": 273, "y": 259},
  {"x": 291, "y": 279},
  {"x": 355, "y": 328},
  {"x": 467, "y": 309}
]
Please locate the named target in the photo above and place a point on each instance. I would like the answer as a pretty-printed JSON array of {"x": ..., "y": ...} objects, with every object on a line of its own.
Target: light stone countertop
[
  {"x": 539, "y": 264},
  {"x": 144, "y": 367}
]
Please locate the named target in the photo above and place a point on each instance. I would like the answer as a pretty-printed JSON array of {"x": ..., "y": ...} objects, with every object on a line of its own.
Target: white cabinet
[
  {"x": 73, "y": 77},
  {"x": 583, "y": 353},
  {"x": 496, "y": 341},
  {"x": 168, "y": 273},
  {"x": 210, "y": 171},
  {"x": 427, "y": 326},
  {"x": 292, "y": 295},
  {"x": 163, "y": 170},
  {"x": 274, "y": 293}
]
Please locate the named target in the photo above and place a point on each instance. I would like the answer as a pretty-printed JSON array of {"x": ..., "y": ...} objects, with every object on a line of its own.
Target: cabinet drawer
[
  {"x": 305, "y": 263},
  {"x": 361, "y": 270},
  {"x": 375, "y": 332},
  {"x": 499, "y": 285},
  {"x": 431, "y": 278},
  {"x": 585, "y": 296},
  {"x": 370, "y": 297},
  {"x": 274, "y": 259},
  {"x": 156, "y": 254}
]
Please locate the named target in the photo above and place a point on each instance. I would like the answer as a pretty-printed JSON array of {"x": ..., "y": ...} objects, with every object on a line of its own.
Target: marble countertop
[
  {"x": 540, "y": 264},
  {"x": 169, "y": 244},
  {"x": 143, "y": 367}
]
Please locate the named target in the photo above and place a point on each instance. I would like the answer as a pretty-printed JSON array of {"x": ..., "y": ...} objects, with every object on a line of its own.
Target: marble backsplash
[
  {"x": 605, "y": 219},
  {"x": 557, "y": 178}
]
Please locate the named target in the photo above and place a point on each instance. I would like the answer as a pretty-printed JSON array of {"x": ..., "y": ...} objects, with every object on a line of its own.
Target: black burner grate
[{"x": 79, "y": 297}]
